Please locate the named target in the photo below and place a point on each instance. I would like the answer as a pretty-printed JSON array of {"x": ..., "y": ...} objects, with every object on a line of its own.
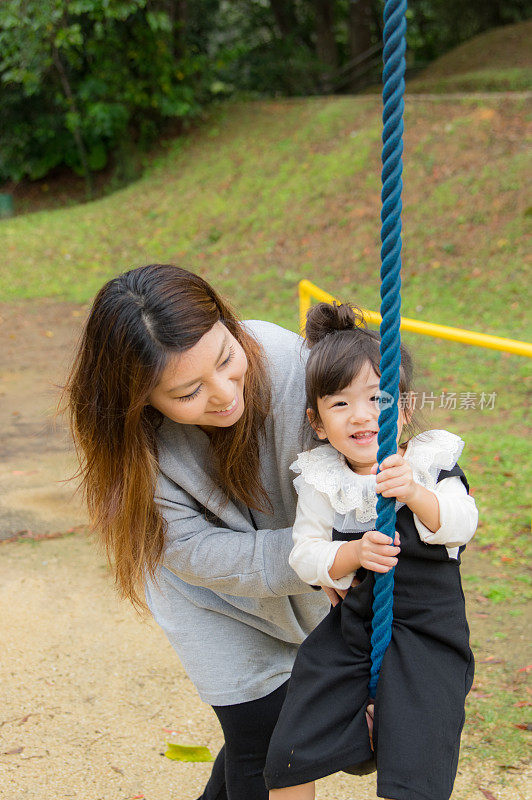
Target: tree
[
  {"x": 78, "y": 78},
  {"x": 326, "y": 48}
]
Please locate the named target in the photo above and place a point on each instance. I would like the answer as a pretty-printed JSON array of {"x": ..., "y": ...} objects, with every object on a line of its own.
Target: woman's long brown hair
[{"x": 137, "y": 321}]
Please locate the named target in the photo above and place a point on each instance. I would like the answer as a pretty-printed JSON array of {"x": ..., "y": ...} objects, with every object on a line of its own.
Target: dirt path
[
  {"x": 88, "y": 690},
  {"x": 35, "y": 451}
]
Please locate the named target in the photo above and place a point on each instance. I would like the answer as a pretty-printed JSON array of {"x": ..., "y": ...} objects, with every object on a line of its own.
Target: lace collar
[{"x": 326, "y": 470}]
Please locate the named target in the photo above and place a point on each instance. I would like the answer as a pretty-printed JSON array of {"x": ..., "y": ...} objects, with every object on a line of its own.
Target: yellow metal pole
[
  {"x": 304, "y": 304},
  {"x": 309, "y": 290}
]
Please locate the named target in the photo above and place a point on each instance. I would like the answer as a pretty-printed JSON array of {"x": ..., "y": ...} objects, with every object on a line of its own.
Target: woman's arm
[{"x": 245, "y": 563}]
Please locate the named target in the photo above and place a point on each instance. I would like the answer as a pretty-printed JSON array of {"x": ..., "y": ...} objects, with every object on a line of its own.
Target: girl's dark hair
[
  {"x": 137, "y": 321},
  {"x": 341, "y": 344}
]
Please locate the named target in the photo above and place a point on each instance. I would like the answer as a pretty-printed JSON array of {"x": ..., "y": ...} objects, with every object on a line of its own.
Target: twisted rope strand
[{"x": 393, "y": 91}]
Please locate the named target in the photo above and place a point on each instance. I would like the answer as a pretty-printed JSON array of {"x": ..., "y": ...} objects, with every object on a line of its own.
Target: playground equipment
[
  {"x": 309, "y": 291},
  {"x": 390, "y": 316},
  {"x": 392, "y": 168}
]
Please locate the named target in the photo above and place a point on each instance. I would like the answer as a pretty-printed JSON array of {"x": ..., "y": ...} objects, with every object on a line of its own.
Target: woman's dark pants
[{"x": 247, "y": 727}]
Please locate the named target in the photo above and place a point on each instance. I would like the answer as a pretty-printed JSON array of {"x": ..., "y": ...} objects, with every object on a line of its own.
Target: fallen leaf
[
  {"x": 179, "y": 752},
  {"x": 14, "y": 752},
  {"x": 487, "y": 793},
  {"x": 169, "y": 730},
  {"x": 116, "y": 769},
  {"x": 523, "y": 726},
  {"x": 522, "y": 704},
  {"x": 525, "y": 669}
]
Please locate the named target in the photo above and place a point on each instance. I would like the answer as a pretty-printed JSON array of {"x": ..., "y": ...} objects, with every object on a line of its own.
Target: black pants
[{"x": 247, "y": 728}]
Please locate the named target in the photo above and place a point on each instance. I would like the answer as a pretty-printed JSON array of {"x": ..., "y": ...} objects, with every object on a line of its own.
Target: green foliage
[
  {"x": 79, "y": 77},
  {"x": 252, "y": 53}
]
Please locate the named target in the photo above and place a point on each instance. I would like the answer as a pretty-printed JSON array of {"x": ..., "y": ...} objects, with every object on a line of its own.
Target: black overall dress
[{"x": 425, "y": 676}]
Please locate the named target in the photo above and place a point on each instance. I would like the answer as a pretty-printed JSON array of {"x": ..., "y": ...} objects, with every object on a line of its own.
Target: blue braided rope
[{"x": 393, "y": 91}]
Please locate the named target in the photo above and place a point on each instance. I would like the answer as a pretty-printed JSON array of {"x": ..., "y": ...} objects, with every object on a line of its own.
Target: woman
[{"x": 186, "y": 422}]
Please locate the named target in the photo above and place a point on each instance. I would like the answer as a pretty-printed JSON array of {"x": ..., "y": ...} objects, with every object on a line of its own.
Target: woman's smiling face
[{"x": 204, "y": 385}]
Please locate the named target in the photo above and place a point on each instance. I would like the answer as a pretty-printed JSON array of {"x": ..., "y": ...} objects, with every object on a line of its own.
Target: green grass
[
  {"x": 512, "y": 79},
  {"x": 498, "y": 60}
]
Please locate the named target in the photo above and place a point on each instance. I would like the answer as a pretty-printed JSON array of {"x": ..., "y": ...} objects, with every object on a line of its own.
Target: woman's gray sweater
[{"x": 230, "y": 604}]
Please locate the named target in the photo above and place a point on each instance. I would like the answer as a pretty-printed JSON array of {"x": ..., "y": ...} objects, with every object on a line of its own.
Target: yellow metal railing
[{"x": 308, "y": 290}]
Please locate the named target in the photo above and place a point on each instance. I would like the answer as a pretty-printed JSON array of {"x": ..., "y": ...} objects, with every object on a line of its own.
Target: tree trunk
[
  {"x": 179, "y": 14},
  {"x": 285, "y": 16},
  {"x": 360, "y": 18},
  {"x": 80, "y": 144},
  {"x": 326, "y": 48}
]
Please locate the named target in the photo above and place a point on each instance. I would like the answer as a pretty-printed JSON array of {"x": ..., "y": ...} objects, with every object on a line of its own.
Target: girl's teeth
[{"x": 364, "y": 435}]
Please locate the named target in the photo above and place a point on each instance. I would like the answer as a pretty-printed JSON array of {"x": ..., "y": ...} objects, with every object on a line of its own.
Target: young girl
[{"x": 428, "y": 667}]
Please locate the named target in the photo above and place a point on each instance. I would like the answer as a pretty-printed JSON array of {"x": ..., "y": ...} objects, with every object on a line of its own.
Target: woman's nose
[{"x": 222, "y": 392}]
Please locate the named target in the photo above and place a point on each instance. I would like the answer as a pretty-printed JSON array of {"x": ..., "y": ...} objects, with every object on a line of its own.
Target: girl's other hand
[
  {"x": 375, "y": 551},
  {"x": 395, "y": 479}
]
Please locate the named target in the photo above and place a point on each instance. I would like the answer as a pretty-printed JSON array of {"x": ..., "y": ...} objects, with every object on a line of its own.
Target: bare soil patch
[{"x": 36, "y": 454}]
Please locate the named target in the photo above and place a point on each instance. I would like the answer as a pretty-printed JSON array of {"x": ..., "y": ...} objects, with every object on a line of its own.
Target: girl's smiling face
[
  {"x": 204, "y": 386},
  {"x": 349, "y": 420}
]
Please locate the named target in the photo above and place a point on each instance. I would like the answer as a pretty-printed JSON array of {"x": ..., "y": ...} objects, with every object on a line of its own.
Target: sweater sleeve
[
  {"x": 314, "y": 551},
  {"x": 248, "y": 563},
  {"x": 458, "y": 517}
]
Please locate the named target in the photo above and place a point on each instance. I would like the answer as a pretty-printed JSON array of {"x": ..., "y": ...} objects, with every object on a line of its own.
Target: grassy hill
[
  {"x": 271, "y": 192},
  {"x": 498, "y": 60}
]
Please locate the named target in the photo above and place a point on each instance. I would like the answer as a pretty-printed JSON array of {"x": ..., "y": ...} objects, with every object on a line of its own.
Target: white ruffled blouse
[{"x": 331, "y": 495}]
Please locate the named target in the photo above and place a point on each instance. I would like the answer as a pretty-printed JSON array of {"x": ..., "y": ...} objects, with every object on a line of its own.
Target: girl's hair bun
[{"x": 326, "y": 318}]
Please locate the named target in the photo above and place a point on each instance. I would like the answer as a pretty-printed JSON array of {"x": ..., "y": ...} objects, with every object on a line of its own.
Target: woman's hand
[
  {"x": 396, "y": 479},
  {"x": 334, "y": 595},
  {"x": 375, "y": 551}
]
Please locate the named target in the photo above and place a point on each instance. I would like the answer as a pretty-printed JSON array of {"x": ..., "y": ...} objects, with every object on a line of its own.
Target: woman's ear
[{"x": 315, "y": 423}]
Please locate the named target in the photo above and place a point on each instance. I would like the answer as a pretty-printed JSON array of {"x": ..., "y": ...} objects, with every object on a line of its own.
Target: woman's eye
[
  {"x": 229, "y": 357},
  {"x": 189, "y": 396}
]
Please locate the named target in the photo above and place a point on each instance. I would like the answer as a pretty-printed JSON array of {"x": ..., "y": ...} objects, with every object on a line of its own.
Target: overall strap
[{"x": 455, "y": 472}]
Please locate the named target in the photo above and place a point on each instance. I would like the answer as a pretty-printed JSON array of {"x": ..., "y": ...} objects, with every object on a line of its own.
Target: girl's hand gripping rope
[{"x": 396, "y": 479}]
